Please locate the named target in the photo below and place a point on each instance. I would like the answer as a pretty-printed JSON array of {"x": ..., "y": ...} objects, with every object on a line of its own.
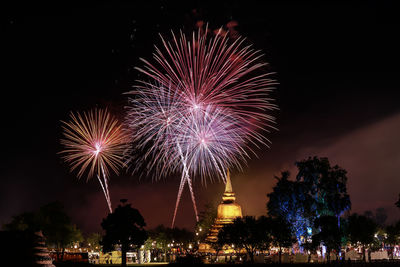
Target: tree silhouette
[
  {"x": 361, "y": 229},
  {"x": 281, "y": 234},
  {"x": 124, "y": 228},
  {"x": 26, "y": 221},
  {"x": 289, "y": 200},
  {"x": 57, "y": 226},
  {"x": 398, "y": 202},
  {"x": 248, "y": 232},
  {"x": 319, "y": 190},
  {"x": 329, "y": 234},
  {"x": 55, "y": 223},
  {"x": 326, "y": 185},
  {"x": 393, "y": 236},
  {"x": 380, "y": 216},
  {"x": 206, "y": 220},
  {"x": 93, "y": 240},
  {"x": 311, "y": 248}
]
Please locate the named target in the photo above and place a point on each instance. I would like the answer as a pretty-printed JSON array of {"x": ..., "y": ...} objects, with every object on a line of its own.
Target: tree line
[{"x": 309, "y": 209}]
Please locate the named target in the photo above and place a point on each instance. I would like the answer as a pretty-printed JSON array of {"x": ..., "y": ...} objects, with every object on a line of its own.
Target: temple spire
[{"x": 228, "y": 184}]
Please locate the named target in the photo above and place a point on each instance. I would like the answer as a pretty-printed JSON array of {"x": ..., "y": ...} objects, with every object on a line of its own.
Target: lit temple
[{"x": 228, "y": 210}]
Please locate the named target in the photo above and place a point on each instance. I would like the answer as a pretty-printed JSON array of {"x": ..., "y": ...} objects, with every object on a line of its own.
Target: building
[{"x": 228, "y": 210}]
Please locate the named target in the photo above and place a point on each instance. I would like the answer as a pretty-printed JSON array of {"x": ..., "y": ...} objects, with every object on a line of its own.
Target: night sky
[{"x": 337, "y": 65}]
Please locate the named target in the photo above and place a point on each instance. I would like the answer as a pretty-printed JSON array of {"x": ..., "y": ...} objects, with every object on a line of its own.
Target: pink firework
[
  {"x": 94, "y": 142},
  {"x": 216, "y": 71},
  {"x": 153, "y": 116},
  {"x": 209, "y": 107}
]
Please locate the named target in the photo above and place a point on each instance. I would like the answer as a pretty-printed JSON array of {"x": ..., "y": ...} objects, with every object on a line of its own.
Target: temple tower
[{"x": 228, "y": 210}]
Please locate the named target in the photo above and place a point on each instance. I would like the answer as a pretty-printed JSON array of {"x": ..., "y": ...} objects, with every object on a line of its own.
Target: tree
[
  {"x": 26, "y": 221},
  {"x": 248, "y": 232},
  {"x": 125, "y": 228},
  {"x": 161, "y": 238},
  {"x": 361, "y": 229},
  {"x": 57, "y": 227},
  {"x": 329, "y": 234},
  {"x": 281, "y": 234},
  {"x": 380, "y": 216},
  {"x": 55, "y": 223},
  {"x": 311, "y": 248},
  {"x": 393, "y": 236},
  {"x": 369, "y": 214},
  {"x": 93, "y": 241},
  {"x": 206, "y": 221},
  {"x": 319, "y": 189},
  {"x": 326, "y": 185},
  {"x": 289, "y": 200}
]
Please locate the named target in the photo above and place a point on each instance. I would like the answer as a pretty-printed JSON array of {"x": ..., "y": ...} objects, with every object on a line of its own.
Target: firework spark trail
[
  {"x": 185, "y": 178},
  {"x": 179, "y": 196},
  {"x": 153, "y": 117},
  {"x": 105, "y": 191},
  {"x": 94, "y": 142},
  {"x": 106, "y": 187},
  {"x": 209, "y": 97}
]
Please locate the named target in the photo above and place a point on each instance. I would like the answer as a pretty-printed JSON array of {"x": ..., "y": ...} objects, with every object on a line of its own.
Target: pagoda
[
  {"x": 40, "y": 251},
  {"x": 228, "y": 210}
]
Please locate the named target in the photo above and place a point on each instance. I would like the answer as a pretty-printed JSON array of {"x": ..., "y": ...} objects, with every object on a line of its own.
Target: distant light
[
  {"x": 98, "y": 148},
  {"x": 309, "y": 230}
]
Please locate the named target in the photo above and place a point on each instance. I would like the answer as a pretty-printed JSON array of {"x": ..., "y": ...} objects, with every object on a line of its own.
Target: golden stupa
[{"x": 228, "y": 210}]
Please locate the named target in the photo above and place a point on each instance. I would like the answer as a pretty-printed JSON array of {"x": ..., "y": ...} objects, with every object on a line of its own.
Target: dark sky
[{"x": 337, "y": 64}]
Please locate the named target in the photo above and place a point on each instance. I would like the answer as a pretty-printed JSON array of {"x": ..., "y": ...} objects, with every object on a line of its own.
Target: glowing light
[
  {"x": 309, "y": 230},
  {"x": 95, "y": 142}
]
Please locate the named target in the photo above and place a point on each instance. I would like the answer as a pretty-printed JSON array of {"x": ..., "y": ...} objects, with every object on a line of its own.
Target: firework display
[
  {"x": 94, "y": 143},
  {"x": 204, "y": 106}
]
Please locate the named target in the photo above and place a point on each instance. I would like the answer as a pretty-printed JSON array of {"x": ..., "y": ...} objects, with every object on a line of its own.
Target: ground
[{"x": 344, "y": 264}]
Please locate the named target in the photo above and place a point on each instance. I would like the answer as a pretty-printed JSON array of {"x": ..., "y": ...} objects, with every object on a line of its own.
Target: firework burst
[
  {"x": 206, "y": 105},
  {"x": 94, "y": 143}
]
